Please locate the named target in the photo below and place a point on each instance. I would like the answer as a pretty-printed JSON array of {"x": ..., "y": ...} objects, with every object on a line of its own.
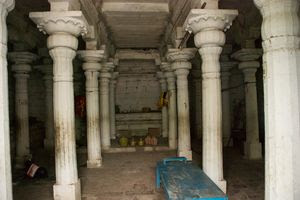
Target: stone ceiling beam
[
  {"x": 134, "y": 7},
  {"x": 99, "y": 29},
  {"x": 126, "y": 54}
]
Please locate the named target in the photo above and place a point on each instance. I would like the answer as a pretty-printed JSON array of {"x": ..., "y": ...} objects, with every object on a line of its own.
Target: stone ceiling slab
[{"x": 136, "y": 24}]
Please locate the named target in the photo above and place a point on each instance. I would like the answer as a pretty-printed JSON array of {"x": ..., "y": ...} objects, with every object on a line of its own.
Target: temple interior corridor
[{"x": 93, "y": 93}]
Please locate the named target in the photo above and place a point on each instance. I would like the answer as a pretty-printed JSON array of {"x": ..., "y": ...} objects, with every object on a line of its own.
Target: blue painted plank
[{"x": 184, "y": 180}]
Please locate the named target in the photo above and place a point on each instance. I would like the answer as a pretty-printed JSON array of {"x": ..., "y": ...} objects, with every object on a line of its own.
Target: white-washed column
[
  {"x": 281, "y": 60},
  {"x": 181, "y": 66},
  {"x": 208, "y": 26},
  {"x": 249, "y": 64},
  {"x": 21, "y": 69},
  {"x": 63, "y": 27},
  {"x": 105, "y": 76},
  {"x": 172, "y": 105},
  {"x": 92, "y": 66},
  {"x": 112, "y": 105},
  {"x": 164, "y": 109},
  {"x": 5, "y": 158}
]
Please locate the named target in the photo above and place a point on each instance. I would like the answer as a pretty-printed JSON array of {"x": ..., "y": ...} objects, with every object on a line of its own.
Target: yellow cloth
[{"x": 163, "y": 100}]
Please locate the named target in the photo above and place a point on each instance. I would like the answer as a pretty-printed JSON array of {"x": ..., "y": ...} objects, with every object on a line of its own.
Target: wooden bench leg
[{"x": 157, "y": 178}]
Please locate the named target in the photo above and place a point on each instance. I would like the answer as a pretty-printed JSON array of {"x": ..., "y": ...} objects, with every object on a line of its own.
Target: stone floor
[{"x": 130, "y": 176}]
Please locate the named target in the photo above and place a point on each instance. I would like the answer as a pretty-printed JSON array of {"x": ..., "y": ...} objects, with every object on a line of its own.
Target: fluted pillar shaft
[
  {"x": 92, "y": 66},
  {"x": 105, "y": 77},
  {"x": 5, "y": 158},
  {"x": 164, "y": 109},
  {"x": 112, "y": 105},
  {"x": 64, "y": 119},
  {"x": 21, "y": 69},
  {"x": 207, "y": 26},
  {"x": 172, "y": 104},
  {"x": 181, "y": 66},
  {"x": 212, "y": 115},
  {"x": 281, "y": 60},
  {"x": 63, "y": 28}
]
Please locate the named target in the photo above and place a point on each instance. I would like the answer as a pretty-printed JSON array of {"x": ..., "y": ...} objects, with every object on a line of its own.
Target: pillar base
[
  {"x": 70, "y": 192},
  {"x": 48, "y": 144},
  {"x": 187, "y": 154},
  {"x": 253, "y": 151},
  {"x": 94, "y": 163},
  {"x": 222, "y": 185}
]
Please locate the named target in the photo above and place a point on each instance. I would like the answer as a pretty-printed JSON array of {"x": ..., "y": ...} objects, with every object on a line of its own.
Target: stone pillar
[
  {"x": 172, "y": 105},
  {"x": 197, "y": 84},
  {"x": 21, "y": 68},
  {"x": 225, "y": 83},
  {"x": 226, "y": 66},
  {"x": 5, "y": 158},
  {"x": 63, "y": 28},
  {"x": 112, "y": 105},
  {"x": 47, "y": 70},
  {"x": 92, "y": 66},
  {"x": 181, "y": 66},
  {"x": 207, "y": 26},
  {"x": 281, "y": 60},
  {"x": 164, "y": 109},
  {"x": 105, "y": 76},
  {"x": 249, "y": 65}
]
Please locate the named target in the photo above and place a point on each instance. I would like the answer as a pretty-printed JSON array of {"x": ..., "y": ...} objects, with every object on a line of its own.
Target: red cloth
[
  {"x": 32, "y": 170},
  {"x": 80, "y": 103}
]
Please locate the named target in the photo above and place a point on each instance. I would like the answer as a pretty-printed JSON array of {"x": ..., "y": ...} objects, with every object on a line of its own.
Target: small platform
[{"x": 183, "y": 180}]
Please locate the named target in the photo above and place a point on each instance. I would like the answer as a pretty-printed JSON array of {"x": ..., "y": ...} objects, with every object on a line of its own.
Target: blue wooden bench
[{"x": 183, "y": 180}]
